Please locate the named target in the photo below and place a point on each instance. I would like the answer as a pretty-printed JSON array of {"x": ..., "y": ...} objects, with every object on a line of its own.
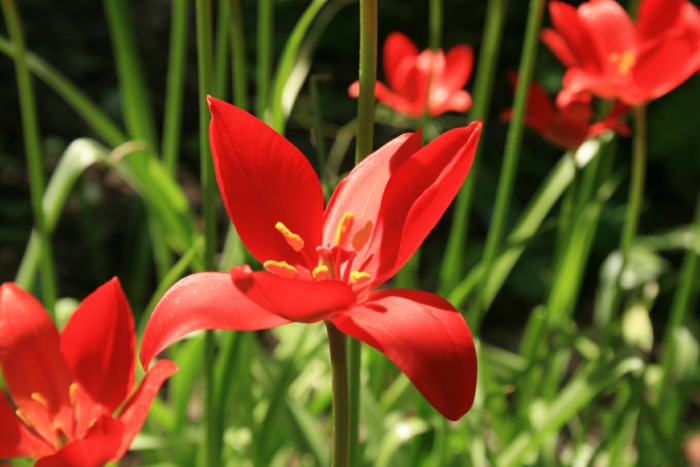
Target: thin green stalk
[
  {"x": 32, "y": 144},
  {"x": 365, "y": 141},
  {"x": 210, "y": 441},
  {"x": 240, "y": 66},
  {"x": 452, "y": 268},
  {"x": 435, "y": 24},
  {"x": 175, "y": 85},
  {"x": 341, "y": 409},
  {"x": 317, "y": 122},
  {"x": 512, "y": 151},
  {"x": 367, "y": 78},
  {"x": 264, "y": 53},
  {"x": 221, "y": 67}
]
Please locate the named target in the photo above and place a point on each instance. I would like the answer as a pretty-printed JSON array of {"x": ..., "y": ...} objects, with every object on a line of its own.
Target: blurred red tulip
[
  {"x": 613, "y": 57},
  {"x": 66, "y": 387},
  {"x": 323, "y": 265},
  {"x": 411, "y": 85},
  {"x": 567, "y": 127}
]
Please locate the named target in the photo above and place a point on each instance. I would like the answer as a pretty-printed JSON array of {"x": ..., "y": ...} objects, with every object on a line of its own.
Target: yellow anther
[
  {"x": 73, "y": 391},
  {"x": 40, "y": 399},
  {"x": 319, "y": 273},
  {"x": 359, "y": 277},
  {"x": 344, "y": 226},
  {"x": 362, "y": 236},
  {"x": 293, "y": 239},
  {"x": 22, "y": 417},
  {"x": 625, "y": 61},
  {"x": 92, "y": 422},
  {"x": 281, "y": 268}
]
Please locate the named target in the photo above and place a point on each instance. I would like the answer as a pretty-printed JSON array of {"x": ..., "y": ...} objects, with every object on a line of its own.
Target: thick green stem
[
  {"x": 265, "y": 41},
  {"x": 368, "y": 78},
  {"x": 512, "y": 153},
  {"x": 210, "y": 441},
  {"x": 175, "y": 85},
  {"x": 452, "y": 268},
  {"x": 32, "y": 144},
  {"x": 341, "y": 409},
  {"x": 435, "y": 24}
]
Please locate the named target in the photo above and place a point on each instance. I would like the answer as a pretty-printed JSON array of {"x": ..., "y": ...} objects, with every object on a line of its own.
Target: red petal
[
  {"x": 577, "y": 38},
  {"x": 539, "y": 112},
  {"x": 396, "y": 101},
  {"x": 94, "y": 450},
  {"x": 135, "y": 411},
  {"x": 426, "y": 338},
  {"x": 415, "y": 198},
  {"x": 32, "y": 362},
  {"x": 305, "y": 301},
  {"x": 207, "y": 300},
  {"x": 396, "y": 48},
  {"x": 559, "y": 47},
  {"x": 354, "y": 90},
  {"x": 361, "y": 191},
  {"x": 458, "y": 67},
  {"x": 264, "y": 180},
  {"x": 458, "y": 101},
  {"x": 611, "y": 31},
  {"x": 15, "y": 440},
  {"x": 656, "y": 17},
  {"x": 98, "y": 344}
]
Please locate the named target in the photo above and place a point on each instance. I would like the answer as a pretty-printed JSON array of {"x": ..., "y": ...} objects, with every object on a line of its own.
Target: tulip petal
[
  {"x": 611, "y": 31},
  {"x": 360, "y": 193},
  {"x": 426, "y": 338},
  {"x": 207, "y": 300},
  {"x": 415, "y": 198},
  {"x": 136, "y": 409},
  {"x": 559, "y": 47},
  {"x": 32, "y": 364},
  {"x": 656, "y": 17},
  {"x": 398, "y": 102},
  {"x": 396, "y": 48},
  {"x": 459, "y": 62},
  {"x": 98, "y": 344},
  {"x": 94, "y": 450},
  {"x": 15, "y": 440},
  {"x": 264, "y": 180},
  {"x": 577, "y": 38},
  {"x": 305, "y": 301}
]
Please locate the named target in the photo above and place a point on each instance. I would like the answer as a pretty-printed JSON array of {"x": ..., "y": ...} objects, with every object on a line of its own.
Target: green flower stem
[
  {"x": 32, "y": 144},
  {"x": 435, "y": 24},
  {"x": 368, "y": 78},
  {"x": 512, "y": 153},
  {"x": 341, "y": 409},
  {"x": 175, "y": 85},
  {"x": 265, "y": 42},
  {"x": 452, "y": 268},
  {"x": 211, "y": 456},
  {"x": 221, "y": 52},
  {"x": 240, "y": 67},
  {"x": 317, "y": 123}
]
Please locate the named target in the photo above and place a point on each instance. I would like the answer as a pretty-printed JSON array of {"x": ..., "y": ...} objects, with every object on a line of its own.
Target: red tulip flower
[
  {"x": 324, "y": 265},
  {"x": 412, "y": 86},
  {"x": 613, "y": 57},
  {"x": 66, "y": 387},
  {"x": 569, "y": 126}
]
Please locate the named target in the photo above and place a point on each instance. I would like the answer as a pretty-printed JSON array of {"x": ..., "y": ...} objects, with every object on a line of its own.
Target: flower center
[
  {"x": 331, "y": 258},
  {"x": 625, "y": 61}
]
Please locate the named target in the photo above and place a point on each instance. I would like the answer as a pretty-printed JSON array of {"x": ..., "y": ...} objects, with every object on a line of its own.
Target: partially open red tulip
[
  {"x": 66, "y": 387},
  {"x": 412, "y": 86},
  {"x": 613, "y": 57},
  {"x": 567, "y": 127},
  {"x": 324, "y": 265}
]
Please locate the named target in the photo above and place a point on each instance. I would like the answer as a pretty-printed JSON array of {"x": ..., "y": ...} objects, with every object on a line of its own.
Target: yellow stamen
[
  {"x": 362, "y": 236},
  {"x": 344, "y": 226},
  {"x": 319, "y": 272},
  {"x": 73, "y": 391},
  {"x": 293, "y": 239},
  {"x": 359, "y": 277},
  {"x": 40, "y": 399},
  {"x": 22, "y": 417},
  {"x": 281, "y": 268},
  {"x": 625, "y": 61}
]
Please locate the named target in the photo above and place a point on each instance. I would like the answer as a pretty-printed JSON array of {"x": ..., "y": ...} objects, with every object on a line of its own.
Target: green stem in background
[
  {"x": 240, "y": 66},
  {"x": 32, "y": 145},
  {"x": 211, "y": 456},
  {"x": 341, "y": 410},
  {"x": 512, "y": 153},
  {"x": 435, "y": 24},
  {"x": 365, "y": 141},
  {"x": 452, "y": 268},
  {"x": 317, "y": 125},
  {"x": 221, "y": 68},
  {"x": 367, "y": 78},
  {"x": 175, "y": 85},
  {"x": 265, "y": 44}
]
